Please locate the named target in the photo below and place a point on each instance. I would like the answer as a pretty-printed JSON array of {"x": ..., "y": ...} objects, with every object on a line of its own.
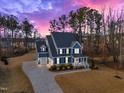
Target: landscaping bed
[{"x": 64, "y": 67}]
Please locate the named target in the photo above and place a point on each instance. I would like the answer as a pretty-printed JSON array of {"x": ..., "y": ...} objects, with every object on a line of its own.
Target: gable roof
[
  {"x": 64, "y": 39},
  {"x": 74, "y": 43},
  {"x": 53, "y": 49},
  {"x": 39, "y": 43}
]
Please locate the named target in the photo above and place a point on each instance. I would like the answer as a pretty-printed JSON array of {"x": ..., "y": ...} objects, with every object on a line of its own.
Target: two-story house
[{"x": 61, "y": 48}]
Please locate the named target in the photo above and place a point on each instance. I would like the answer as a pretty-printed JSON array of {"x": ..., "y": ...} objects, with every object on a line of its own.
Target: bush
[
  {"x": 52, "y": 68},
  {"x": 58, "y": 68},
  {"x": 69, "y": 66},
  {"x": 63, "y": 67},
  {"x": 4, "y": 59}
]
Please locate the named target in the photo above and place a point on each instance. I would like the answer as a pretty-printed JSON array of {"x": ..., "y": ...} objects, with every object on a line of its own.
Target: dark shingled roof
[
  {"x": 64, "y": 39},
  {"x": 51, "y": 45},
  {"x": 39, "y": 43}
]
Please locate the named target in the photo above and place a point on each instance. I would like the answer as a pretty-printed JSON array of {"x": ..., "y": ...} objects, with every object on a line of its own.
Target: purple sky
[{"x": 41, "y": 11}]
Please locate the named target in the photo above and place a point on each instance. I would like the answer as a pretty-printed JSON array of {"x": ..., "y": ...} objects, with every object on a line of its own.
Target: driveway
[{"x": 43, "y": 81}]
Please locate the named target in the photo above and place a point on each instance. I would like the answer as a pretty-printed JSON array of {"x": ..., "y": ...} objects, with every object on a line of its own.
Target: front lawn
[
  {"x": 97, "y": 81},
  {"x": 13, "y": 78}
]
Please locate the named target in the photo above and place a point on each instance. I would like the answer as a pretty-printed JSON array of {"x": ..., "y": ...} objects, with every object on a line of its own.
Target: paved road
[{"x": 42, "y": 79}]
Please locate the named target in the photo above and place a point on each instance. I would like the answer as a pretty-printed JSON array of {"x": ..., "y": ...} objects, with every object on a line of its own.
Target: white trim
[
  {"x": 36, "y": 49},
  {"x": 58, "y": 60},
  {"x": 76, "y": 42},
  {"x": 43, "y": 49},
  {"x": 76, "y": 50},
  {"x": 66, "y": 60},
  {"x": 49, "y": 48},
  {"x": 67, "y": 50},
  {"x": 43, "y": 46},
  {"x": 54, "y": 43},
  {"x": 60, "y": 51}
]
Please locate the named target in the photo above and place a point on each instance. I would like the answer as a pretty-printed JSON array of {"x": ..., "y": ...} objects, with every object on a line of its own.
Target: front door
[{"x": 76, "y": 61}]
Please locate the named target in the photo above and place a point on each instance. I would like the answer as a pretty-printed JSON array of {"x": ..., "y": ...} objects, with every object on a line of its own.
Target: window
[
  {"x": 66, "y": 60},
  {"x": 67, "y": 51},
  {"x": 43, "y": 48},
  {"x": 62, "y": 60},
  {"x": 57, "y": 60},
  {"x": 60, "y": 51},
  {"x": 76, "y": 50}
]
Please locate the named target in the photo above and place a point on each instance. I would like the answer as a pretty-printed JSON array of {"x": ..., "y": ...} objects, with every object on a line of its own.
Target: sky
[{"x": 40, "y": 12}]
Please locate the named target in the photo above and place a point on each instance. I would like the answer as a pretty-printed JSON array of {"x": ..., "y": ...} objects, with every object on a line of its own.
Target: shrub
[
  {"x": 4, "y": 59},
  {"x": 58, "y": 68},
  {"x": 63, "y": 67},
  {"x": 52, "y": 68},
  {"x": 69, "y": 66}
]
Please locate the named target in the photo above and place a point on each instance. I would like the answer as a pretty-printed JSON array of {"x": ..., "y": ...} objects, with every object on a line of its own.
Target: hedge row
[{"x": 63, "y": 67}]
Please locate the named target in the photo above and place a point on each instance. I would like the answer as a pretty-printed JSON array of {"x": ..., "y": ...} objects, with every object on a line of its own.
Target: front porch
[{"x": 81, "y": 61}]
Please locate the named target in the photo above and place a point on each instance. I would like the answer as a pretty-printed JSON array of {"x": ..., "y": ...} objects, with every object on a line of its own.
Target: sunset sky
[{"x": 40, "y": 12}]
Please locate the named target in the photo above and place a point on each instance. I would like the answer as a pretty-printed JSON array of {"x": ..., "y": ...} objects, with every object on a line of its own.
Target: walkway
[{"x": 42, "y": 79}]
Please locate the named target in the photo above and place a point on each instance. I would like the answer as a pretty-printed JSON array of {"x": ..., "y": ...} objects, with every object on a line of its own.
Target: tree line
[
  {"x": 100, "y": 33},
  {"x": 11, "y": 28}
]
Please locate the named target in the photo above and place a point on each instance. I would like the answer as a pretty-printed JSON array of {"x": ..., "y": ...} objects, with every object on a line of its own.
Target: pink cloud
[{"x": 99, "y": 4}]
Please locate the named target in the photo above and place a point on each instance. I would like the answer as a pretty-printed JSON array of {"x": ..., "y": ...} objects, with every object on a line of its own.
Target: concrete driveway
[{"x": 43, "y": 81}]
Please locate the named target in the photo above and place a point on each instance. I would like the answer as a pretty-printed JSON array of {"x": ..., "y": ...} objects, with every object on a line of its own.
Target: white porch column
[
  {"x": 87, "y": 65},
  {"x": 83, "y": 63}
]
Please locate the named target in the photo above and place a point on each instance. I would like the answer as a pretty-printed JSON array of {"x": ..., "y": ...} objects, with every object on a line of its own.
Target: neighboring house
[{"x": 61, "y": 48}]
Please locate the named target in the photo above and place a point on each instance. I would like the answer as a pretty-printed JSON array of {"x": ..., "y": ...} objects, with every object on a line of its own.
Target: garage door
[{"x": 43, "y": 60}]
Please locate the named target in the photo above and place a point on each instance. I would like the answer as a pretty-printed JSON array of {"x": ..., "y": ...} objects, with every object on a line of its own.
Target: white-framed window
[
  {"x": 58, "y": 61},
  {"x": 76, "y": 50},
  {"x": 67, "y": 50},
  {"x": 60, "y": 51},
  {"x": 66, "y": 60},
  {"x": 43, "y": 48}
]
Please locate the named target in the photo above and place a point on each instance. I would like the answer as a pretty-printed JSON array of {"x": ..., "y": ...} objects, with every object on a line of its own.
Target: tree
[
  {"x": 81, "y": 15},
  {"x": 53, "y": 26},
  {"x": 115, "y": 23},
  {"x": 63, "y": 22},
  {"x": 27, "y": 29},
  {"x": 98, "y": 23},
  {"x": 12, "y": 24},
  {"x": 73, "y": 22}
]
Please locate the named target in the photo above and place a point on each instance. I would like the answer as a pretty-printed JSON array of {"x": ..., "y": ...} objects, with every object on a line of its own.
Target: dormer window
[
  {"x": 76, "y": 50},
  {"x": 43, "y": 48}
]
